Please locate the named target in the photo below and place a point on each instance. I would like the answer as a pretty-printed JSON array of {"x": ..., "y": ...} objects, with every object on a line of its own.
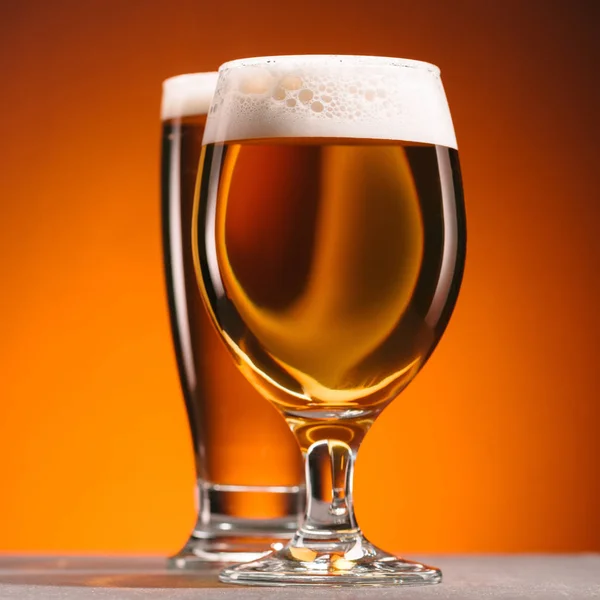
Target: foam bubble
[
  {"x": 330, "y": 96},
  {"x": 187, "y": 95}
]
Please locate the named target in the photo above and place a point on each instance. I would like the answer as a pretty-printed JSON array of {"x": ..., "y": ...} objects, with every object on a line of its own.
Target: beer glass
[
  {"x": 329, "y": 243},
  {"x": 249, "y": 466}
]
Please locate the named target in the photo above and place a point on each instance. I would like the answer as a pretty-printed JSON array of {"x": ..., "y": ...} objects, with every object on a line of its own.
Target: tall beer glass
[
  {"x": 331, "y": 274},
  {"x": 249, "y": 466}
]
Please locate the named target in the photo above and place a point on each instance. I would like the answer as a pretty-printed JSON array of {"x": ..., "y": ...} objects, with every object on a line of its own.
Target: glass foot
[
  {"x": 198, "y": 552},
  {"x": 221, "y": 535},
  {"x": 360, "y": 563}
]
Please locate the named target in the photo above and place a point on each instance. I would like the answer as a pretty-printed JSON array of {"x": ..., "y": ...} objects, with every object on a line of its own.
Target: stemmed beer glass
[{"x": 329, "y": 242}]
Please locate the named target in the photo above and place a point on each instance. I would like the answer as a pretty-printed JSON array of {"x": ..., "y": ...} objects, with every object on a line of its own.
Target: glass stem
[{"x": 329, "y": 507}]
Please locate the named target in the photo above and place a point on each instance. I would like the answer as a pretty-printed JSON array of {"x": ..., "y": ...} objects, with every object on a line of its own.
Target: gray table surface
[{"x": 466, "y": 577}]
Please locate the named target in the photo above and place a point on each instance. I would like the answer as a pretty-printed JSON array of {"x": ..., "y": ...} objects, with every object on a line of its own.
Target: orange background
[{"x": 494, "y": 447}]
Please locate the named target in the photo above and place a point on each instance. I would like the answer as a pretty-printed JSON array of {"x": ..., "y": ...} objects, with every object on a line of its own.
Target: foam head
[
  {"x": 187, "y": 95},
  {"x": 330, "y": 96}
]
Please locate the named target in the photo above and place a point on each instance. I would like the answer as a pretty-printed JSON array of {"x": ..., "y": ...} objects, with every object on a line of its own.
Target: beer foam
[
  {"x": 187, "y": 95},
  {"x": 330, "y": 96}
]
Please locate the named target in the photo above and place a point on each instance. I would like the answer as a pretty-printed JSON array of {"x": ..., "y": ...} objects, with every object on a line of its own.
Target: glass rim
[{"x": 343, "y": 59}]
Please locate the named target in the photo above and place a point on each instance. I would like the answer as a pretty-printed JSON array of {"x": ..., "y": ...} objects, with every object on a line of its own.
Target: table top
[{"x": 508, "y": 577}]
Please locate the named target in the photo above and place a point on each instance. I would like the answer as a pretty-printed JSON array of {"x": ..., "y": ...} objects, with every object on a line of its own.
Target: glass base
[
  {"x": 361, "y": 564},
  {"x": 223, "y": 536},
  {"x": 197, "y": 552}
]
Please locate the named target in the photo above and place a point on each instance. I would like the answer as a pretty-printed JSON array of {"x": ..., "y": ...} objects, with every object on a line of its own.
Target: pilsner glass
[
  {"x": 249, "y": 466},
  {"x": 329, "y": 244}
]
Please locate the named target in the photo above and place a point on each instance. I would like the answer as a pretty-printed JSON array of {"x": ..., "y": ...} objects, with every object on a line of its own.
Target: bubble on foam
[
  {"x": 326, "y": 96},
  {"x": 305, "y": 95},
  {"x": 317, "y": 106},
  {"x": 188, "y": 95}
]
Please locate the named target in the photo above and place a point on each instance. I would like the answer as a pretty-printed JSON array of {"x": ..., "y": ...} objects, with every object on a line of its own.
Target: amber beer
[
  {"x": 332, "y": 243},
  {"x": 249, "y": 465},
  {"x": 335, "y": 297}
]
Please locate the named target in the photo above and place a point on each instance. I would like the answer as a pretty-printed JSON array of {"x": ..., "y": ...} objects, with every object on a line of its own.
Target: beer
[
  {"x": 248, "y": 463},
  {"x": 335, "y": 260}
]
